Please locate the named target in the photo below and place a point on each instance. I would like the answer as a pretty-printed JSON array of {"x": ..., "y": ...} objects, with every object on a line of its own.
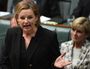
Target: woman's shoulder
[
  {"x": 67, "y": 43},
  {"x": 47, "y": 31},
  {"x": 14, "y": 30},
  {"x": 87, "y": 44}
]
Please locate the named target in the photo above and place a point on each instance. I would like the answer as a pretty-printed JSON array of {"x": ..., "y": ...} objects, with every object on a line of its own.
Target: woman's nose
[
  {"x": 26, "y": 20},
  {"x": 75, "y": 32}
]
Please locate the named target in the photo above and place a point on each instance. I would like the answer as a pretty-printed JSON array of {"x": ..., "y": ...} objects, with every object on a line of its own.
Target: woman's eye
[
  {"x": 29, "y": 17},
  {"x": 73, "y": 29},
  {"x": 79, "y": 31},
  {"x": 22, "y": 17}
]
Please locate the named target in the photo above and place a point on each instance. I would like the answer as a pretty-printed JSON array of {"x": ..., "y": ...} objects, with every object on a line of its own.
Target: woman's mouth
[{"x": 27, "y": 26}]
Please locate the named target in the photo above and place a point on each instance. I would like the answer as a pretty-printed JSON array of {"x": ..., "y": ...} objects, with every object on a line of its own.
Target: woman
[
  {"x": 13, "y": 22},
  {"x": 29, "y": 46},
  {"x": 76, "y": 52}
]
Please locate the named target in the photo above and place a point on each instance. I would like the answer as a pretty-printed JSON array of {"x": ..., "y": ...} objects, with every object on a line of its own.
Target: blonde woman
[
  {"x": 76, "y": 52},
  {"x": 29, "y": 46}
]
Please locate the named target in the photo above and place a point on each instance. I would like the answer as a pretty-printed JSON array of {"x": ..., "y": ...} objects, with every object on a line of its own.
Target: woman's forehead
[{"x": 79, "y": 28}]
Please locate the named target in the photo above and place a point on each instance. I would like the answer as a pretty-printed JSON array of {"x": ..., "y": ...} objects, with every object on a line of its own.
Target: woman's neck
[
  {"x": 28, "y": 36},
  {"x": 78, "y": 44},
  {"x": 30, "y": 33}
]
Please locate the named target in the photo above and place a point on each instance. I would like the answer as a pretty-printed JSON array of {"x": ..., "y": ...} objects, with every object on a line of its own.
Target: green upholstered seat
[
  {"x": 63, "y": 34},
  {"x": 3, "y": 29}
]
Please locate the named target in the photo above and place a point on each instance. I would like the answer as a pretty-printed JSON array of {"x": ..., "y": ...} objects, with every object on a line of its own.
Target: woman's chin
[
  {"x": 27, "y": 29},
  {"x": 75, "y": 40}
]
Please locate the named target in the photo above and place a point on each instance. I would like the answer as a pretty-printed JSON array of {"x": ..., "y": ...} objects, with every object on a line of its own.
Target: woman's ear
[
  {"x": 36, "y": 18},
  {"x": 13, "y": 22}
]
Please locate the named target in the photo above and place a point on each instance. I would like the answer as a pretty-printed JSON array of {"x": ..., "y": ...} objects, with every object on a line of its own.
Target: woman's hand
[{"x": 60, "y": 62}]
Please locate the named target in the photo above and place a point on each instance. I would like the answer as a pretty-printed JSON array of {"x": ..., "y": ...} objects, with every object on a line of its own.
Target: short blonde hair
[
  {"x": 24, "y": 5},
  {"x": 82, "y": 24}
]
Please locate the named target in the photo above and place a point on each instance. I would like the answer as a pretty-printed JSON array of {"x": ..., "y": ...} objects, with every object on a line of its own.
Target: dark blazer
[
  {"x": 43, "y": 51},
  {"x": 49, "y": 8},
  {"x": 3, "y": 5},
  {"x": 82, "y": 9}
]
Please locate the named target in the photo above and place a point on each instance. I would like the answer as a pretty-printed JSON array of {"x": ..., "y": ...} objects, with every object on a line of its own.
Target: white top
[{"x": 76, "y": 54}]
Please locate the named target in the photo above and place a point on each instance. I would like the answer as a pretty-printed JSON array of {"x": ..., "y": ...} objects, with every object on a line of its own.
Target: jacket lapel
[{"x": 83, "y": 54}]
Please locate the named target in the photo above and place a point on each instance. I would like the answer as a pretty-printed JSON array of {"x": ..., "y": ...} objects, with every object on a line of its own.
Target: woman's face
[
  {"x": 78, "y": 35},
  {"x": 27, "y": 20}
]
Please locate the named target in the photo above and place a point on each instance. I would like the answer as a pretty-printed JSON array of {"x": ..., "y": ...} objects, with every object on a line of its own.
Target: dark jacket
[
  {"x": 82, "y": 9},
  {"x": 49, "y": 8},
  {"x": 43, "y": 50},
  {"x": 3, "y": 5}
]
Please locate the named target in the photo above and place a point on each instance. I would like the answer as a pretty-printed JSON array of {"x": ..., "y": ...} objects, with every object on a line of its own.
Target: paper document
[{"x": 4, "y": 13}]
